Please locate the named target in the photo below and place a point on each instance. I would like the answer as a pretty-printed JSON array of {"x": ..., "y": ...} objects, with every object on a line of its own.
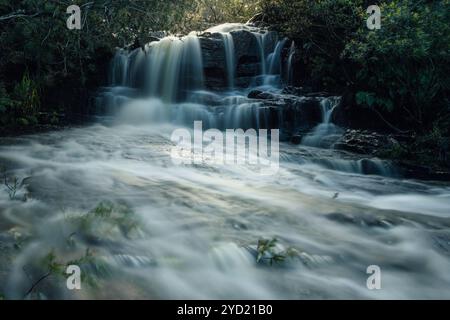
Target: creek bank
[
  {"x": 46, "y": 124},
  {"x": 388, "y": 146},
  {"x": 301, "y": 112}
]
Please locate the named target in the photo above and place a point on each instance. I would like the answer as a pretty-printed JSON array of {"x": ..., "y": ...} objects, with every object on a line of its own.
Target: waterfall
[
  {"x": 322, "y": 135},
  {"x": 274, "y": 63},
  {"x": 275, "y": 59},
  {"x": 328, "y": 106},
  {"x": 290, "y": 69},
  {"x": 228, "y": 43},
  {"x": 174, "y": 67},
  {"x": 119, "y": 68},
  {"x": 165, "y": 82},
  {"x": 167, "y": 69},
  {"x": 126, "y": 68},
  {"x": 260, "y": 39}
]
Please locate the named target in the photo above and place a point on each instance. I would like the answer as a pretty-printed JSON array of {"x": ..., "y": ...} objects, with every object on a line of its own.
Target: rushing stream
[{"x": 109, "y": 197}]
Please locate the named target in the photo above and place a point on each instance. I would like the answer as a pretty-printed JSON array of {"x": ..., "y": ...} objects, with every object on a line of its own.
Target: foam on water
[{"x": 191, "y": 231}]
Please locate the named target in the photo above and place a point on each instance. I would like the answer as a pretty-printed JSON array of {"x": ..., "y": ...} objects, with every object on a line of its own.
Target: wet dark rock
[
  {"x": 254, "y": 94},
  {"x": 296, "y": 139},
  {"x": 247, "y": 69},
  {"x": 411, "y": 170},
  {"x": 297, "y": 91},
  {"x": 266, "y": 95},
  {"x": 213, "y": 54},
  {"x": 322, "y": 94},
  {"x": 212, "y": 51},
  {"x": 296, "y": 112},
  {"x": 245, "y": 45},
  {"x": 153, "y": 39},
  {"x": 248, "y": 61},
  {"x": 243, "y": 82},
  {"x": 292, "y": 114},
  {"x": 380, "y": 145},
  {"x": 362, "y": 220},
  {"x": 364, "y": 142}
]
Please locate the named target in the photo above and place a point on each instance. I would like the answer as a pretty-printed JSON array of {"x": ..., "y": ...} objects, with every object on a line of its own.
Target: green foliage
[
  {"x": 395, "y": 152},
  {"x": 401, "y": 69},
  {"x": 321, "y": 30},
  {"x": 55, "y": 266},
  {"x": 21, "y": 107},
  {"x": 405, "y": 64},
  {"x": 43, "y": 64},
  {"x": 12, "y": 184},
  {"x": 370, "y": 99},
  {"x": 98, "y": 224},
  {"x": 106, "y": 220},
  {"x": 431, "y": 149},
  {"x": 267, "y": 250},
  {"x": 209, "y": 13}
]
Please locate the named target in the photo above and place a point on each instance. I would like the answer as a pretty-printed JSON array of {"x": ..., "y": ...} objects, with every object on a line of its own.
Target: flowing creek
[{"x": 109, "y": 197}]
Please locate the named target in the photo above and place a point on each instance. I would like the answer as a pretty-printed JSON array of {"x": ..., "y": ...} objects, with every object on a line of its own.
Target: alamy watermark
[
  {"x": 373, "y": 21},
  {"x": 73, "y": 281},
  {"x": 249, "y": 149},
  {"x": 74, "y": 20},
  {"x": 374, "y": 280}
]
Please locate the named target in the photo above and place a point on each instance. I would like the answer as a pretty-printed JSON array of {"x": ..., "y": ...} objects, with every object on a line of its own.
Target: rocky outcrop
[
  {"x": 365, "y": 142},
  {"x": 296, "y": 114},
  {"x": 381, "y": 145},
  {"x": 213, "y": 55},
  {"x": 247, "y": 57}
]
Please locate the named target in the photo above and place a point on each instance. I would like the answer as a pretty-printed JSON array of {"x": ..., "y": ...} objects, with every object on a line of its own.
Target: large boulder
[
  {"x": 213, "y": 54},
  {"x": 295, "y": 114},
  {"x": 364, "y": 142}
]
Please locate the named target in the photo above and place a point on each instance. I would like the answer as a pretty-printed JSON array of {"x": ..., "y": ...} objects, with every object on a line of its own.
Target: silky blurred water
[
  {"x": 109, "y": 198},
  {"x": 198, "y": 225}
]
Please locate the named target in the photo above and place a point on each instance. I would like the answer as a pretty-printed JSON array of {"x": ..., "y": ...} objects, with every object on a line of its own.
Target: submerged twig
[{"x": 45, "y": 276}]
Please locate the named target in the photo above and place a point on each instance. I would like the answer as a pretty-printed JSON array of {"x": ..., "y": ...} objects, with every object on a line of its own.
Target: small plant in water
[
  {"x": 53, "y": 266},
  {"x": 267, "y": 250},
  {"x": 11, "y": 183},
  {"x": 103, "y": 221}
]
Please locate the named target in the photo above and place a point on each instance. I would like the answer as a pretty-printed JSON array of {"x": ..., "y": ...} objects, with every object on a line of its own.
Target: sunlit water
[{"x": 198, "y": 225}]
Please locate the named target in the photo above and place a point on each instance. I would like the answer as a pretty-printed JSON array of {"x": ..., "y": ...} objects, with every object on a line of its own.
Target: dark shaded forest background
[{"x": 400, "y": 73}]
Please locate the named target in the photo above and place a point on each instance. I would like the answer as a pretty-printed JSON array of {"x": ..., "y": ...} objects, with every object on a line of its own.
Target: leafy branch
[
  {"x": 12, "y": 184},
  {"x": 268, "y": 250}
]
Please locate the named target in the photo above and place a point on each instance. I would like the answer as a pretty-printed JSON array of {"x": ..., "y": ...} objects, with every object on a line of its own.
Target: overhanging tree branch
[{"x": 18, "y": 14}]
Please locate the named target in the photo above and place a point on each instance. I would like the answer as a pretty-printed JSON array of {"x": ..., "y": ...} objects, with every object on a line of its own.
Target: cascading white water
[
  {"x": 230, "y": 57},
  {"x": 274, "y": 62},
  {"x": 290, "y": 61},
  {"x": 192, "y": 231},
  {"x": 326, "y": 134},
  {"x": 172, "y": 70},
  {"x": 318, "y": 136},
  {"x": 328, "y": 107},
  {"x": 167, "y": 69},
  {"x": 174, "y": 66},
  {"x": 119, "y": 68},
  {"x": 260, "y": 39}
]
